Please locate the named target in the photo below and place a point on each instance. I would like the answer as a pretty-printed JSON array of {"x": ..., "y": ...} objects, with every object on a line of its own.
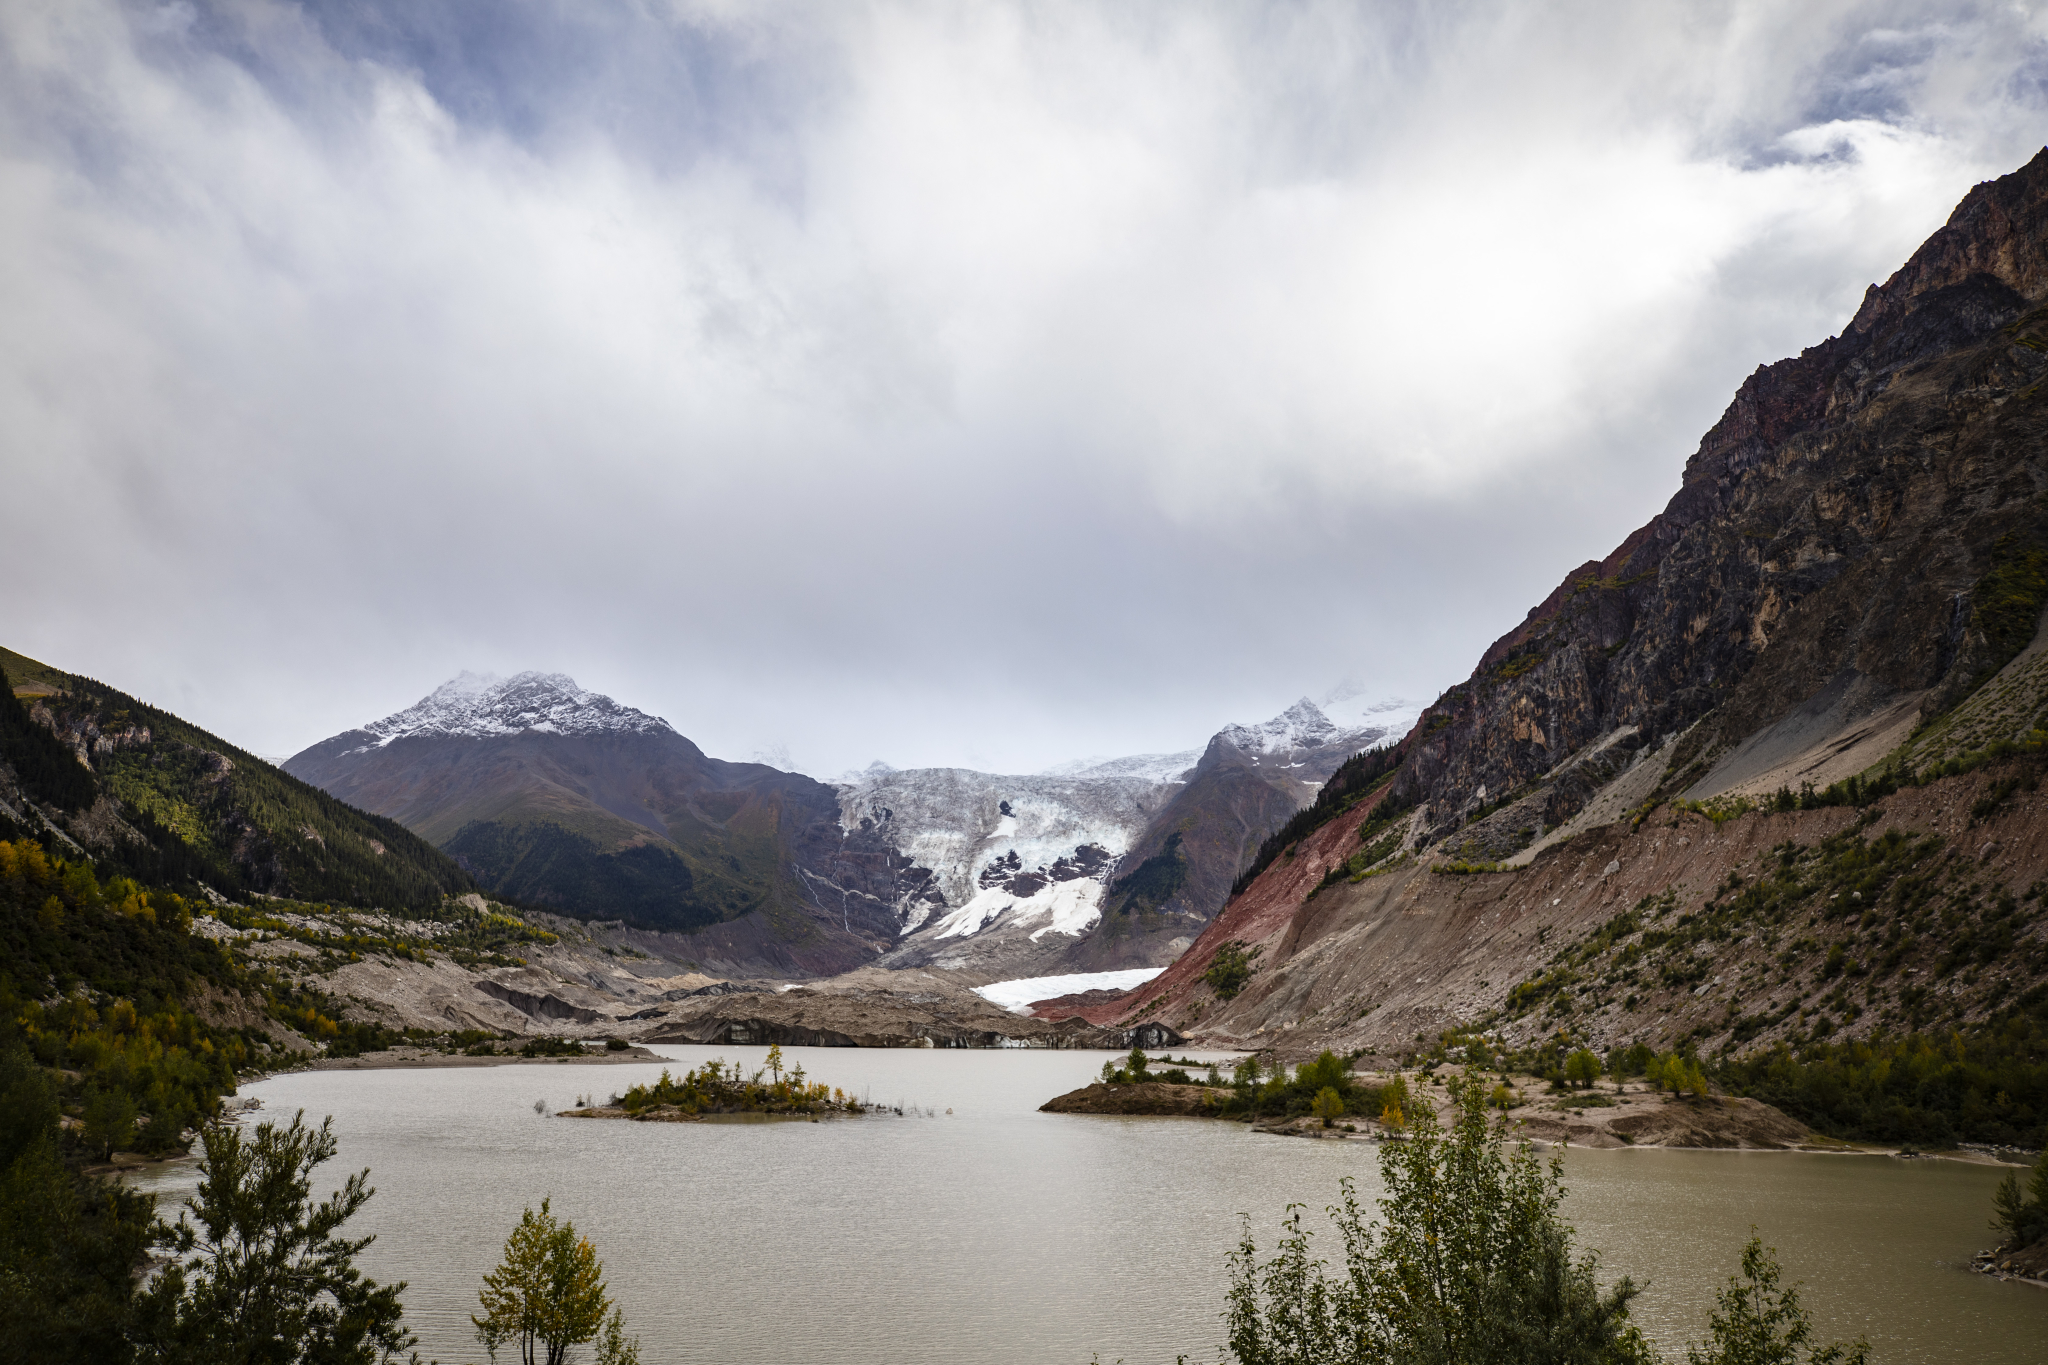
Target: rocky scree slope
[
  {"x": 147, "y": 794},
  {"x": 1858, "y": 552},
  {"x": 1795, "y": 926},
  {"x": 562, "y": 798}
]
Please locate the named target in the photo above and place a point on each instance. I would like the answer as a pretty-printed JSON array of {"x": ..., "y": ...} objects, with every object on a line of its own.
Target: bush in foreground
[{"x": 1470, "y": 1264}]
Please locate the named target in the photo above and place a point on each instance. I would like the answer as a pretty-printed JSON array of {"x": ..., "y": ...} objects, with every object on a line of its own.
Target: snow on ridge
[
  {"x": 1069, "y": 908},
  {"x": 1016, "y": 995},
  {"x": 1351, "y": 707},
  {"x": 1149, "y": 767},
  {"x": 1301, "y": 726},
  {"x": 482, "y": 705},
  {"x": 1306, "y": 725}
]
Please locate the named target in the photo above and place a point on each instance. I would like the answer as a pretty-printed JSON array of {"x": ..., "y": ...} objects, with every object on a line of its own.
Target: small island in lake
[
  {"x": 719, "y": 1087},
  {"x": 1325, "y": 1098}
]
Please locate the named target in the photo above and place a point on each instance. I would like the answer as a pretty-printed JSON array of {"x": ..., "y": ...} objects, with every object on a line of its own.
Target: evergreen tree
[
  {"x": 69, "y": 1243},
  {"x": 263, "y": 1278},
  {"x": 2021, "y": 1213}
]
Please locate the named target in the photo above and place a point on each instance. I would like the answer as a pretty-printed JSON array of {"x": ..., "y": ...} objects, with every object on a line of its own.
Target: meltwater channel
[{"x": 1000, "y": 1234}]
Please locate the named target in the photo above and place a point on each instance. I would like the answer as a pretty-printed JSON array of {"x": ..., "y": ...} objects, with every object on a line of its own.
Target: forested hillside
[{"x": 164, "y": 801}]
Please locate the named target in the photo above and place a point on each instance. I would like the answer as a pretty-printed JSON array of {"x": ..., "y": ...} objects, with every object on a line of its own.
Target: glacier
[
  {"x": 1017, "y": 995},
  {"x": 1031, "y": 855}
]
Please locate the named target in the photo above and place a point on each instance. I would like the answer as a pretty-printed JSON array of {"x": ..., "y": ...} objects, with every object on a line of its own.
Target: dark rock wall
[{"x": 1829, "y": 529}]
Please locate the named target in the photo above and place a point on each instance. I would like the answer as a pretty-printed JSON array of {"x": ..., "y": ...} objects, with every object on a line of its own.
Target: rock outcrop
[{"x": 1833, "y": 547}]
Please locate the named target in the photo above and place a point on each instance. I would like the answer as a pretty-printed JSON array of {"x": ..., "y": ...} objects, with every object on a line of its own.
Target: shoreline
[
  {"x": 424, "y": 1059},
  {"x": 1648, "y": 1121}
]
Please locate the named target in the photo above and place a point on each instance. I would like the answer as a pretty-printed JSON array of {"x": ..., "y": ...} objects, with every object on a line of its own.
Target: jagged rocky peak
[
  {"x": 483, "y": 705},
  {"x": 1301, "y": 726},
  {"x": 1307, "y": 725}
]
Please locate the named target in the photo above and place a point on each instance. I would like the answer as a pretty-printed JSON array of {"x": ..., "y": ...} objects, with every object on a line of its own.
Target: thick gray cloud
[{"x": 986, "y": 384}]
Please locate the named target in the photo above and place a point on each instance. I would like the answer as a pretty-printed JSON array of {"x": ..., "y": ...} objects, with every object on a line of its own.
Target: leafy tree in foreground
[
  {"x": 1469, "y": 1265},
  {"x": 263, "y": 1278},
  {"x": 1757, "y": 1323},
  {"x": 548, "y": 1295}
]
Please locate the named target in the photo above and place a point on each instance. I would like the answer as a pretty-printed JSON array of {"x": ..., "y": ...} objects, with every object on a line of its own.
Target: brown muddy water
[{"x": 1001, "y": 1234}]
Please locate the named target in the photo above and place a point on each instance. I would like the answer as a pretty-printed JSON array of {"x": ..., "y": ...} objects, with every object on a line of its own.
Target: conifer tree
[{"x": 263, "y": 1275}]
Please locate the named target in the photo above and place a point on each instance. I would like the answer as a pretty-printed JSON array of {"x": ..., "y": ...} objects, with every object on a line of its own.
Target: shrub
[{"x": 1230, "y": 969}]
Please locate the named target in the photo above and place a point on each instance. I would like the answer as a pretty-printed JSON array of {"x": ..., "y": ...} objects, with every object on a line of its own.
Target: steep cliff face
[
  {"x": 1852, "y": 575},
  {"x": 1832, "y": 534}
]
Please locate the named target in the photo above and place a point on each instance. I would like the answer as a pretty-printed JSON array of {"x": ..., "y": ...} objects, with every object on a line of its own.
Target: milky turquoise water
[{"x": 1001, "y": 1234}]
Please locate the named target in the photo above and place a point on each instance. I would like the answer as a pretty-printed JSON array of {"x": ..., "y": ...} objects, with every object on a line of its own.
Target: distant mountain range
[{"x": 560, "y": 797}]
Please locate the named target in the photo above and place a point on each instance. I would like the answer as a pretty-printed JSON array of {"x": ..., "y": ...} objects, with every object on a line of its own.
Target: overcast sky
[{"x": 977, "y": 384}]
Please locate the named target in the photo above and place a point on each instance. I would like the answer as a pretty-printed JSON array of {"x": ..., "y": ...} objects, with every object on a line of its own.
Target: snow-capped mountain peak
[
  {"x": 1301, "y": 726},
  {"x": 481, "y": 705}
]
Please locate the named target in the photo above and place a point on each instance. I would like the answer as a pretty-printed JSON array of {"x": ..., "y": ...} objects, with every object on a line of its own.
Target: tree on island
[
  {"x": 548, "y": 1295},
  {"x": 263, "y": 1275}
]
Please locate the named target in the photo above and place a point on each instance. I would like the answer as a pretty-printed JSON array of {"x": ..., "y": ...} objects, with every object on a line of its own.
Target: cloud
[{"x": 983, "y": 385}]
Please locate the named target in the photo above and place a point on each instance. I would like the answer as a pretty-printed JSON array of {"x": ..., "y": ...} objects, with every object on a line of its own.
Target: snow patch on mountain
[
  {"x": 1151, "y": 767},
  {"x": 1300, "y": 726},
  {"x": 1017, "y": 995},
  {"x": 1351, "y": 707},
  {"x": 483, "y": 705},
  {"x": 1037, "y": 851},
  {"x": 976, "y": 830},
  {"x": 1070, "y": 908}
]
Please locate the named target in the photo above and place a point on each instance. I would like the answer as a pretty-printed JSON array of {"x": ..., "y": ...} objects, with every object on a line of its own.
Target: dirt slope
[{"x": 1376, "y": 963}]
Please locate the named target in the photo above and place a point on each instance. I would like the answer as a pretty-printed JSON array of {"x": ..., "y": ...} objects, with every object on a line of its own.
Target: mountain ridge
[
  {"x": 154, "y": 796},
  {"x": 1829, "y": 642},
  {"x": 557, "y": 796}
]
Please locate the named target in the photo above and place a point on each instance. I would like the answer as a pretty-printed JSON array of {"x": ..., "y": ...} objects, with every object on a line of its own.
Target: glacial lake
[{"x": 1000, "y": 1234}]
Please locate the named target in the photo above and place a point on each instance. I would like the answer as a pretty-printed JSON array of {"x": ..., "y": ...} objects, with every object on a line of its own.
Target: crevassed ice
[{"x": 1069, "y": 907}]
